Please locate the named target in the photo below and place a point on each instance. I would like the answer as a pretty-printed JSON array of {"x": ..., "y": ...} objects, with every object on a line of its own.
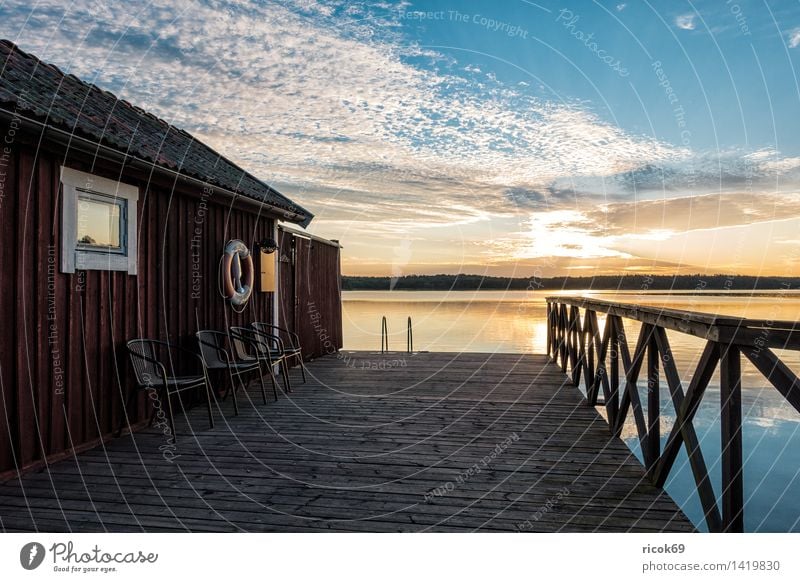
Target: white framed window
[{"x": 98, "y": 223}]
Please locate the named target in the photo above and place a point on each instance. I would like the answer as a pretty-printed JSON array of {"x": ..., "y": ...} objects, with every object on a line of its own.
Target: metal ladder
[{"x": 385, "y": 336}]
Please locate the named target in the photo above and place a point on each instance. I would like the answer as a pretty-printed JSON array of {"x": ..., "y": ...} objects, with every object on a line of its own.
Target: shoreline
[{"x": 544, "y": 292}]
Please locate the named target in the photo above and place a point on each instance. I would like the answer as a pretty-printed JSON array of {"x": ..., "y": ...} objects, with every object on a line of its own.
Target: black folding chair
[
  {"x": 151, "y": 372},
  {"x": 248, "y": 347},
  {"x": 292, "y": 349},
  {"x": 274, "y": 346},
  {"x": 218, "y": 355}
]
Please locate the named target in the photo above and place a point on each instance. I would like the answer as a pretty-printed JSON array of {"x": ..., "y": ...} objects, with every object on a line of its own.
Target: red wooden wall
[
  {"x": 63, "y": 373},
  {"x": 311, "y": 304},
  {"x": 286, "y": 281}
]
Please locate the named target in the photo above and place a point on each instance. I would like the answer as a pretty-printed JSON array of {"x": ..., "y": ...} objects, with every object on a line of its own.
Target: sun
[{"x": 564, "y": 233}]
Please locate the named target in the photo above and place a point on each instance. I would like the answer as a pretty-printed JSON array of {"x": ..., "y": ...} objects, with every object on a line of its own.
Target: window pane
[{"x": 99, "y": 223}]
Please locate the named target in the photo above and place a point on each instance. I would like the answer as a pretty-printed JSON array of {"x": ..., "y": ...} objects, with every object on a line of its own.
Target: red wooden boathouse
[{"x": 113, "y": 226}]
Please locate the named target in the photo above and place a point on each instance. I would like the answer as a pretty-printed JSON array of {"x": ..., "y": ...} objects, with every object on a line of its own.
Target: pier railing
[{"x": 603, "y": 358}]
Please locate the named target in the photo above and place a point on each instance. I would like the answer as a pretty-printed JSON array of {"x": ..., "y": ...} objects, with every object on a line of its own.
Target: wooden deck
[{"x": 424, "y": 442}]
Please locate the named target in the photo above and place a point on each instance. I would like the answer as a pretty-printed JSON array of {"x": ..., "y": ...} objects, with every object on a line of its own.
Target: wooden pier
[{"x": 372, "y": 443}]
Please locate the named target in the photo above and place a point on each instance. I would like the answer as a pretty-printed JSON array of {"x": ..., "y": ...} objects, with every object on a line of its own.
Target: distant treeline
[{"x": 614, "y": 282}]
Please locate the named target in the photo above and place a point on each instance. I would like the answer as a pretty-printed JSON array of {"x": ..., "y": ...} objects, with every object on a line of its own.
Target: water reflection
[{"x": 490, "y": 321}]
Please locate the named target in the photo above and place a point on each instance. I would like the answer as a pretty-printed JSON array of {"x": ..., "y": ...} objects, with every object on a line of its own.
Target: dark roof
[{"x": 41, "y": 91}]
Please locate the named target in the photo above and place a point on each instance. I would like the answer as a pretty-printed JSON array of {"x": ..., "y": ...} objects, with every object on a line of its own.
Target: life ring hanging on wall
[{"x": 237, "y": 273}]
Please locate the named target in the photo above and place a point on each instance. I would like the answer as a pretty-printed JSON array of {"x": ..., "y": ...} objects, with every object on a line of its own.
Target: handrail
[
  {"x": 599, "y": 354},
  {"x": 721, "y": 328},
  {"x": 409, "y": 337},
  {"x": 384, "y": 335}
]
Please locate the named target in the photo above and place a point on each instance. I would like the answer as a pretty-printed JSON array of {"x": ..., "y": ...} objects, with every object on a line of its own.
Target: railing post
[
  {"x": 581, "y": 365},
  {"x": 569, "y": 335},
  {"x": 612, "y": 406},
  {"x": 574, "y": 326},
  {"x": 653, "y": 401},
  {"x": 549, "y": 328},
  {"x": 554, "y": 315},
  {"x": 588, "y": 329},
  {"x": 384, "y": 335},
  {"x": 563, "y": 336},
  {"x": 731, "y": 425}
]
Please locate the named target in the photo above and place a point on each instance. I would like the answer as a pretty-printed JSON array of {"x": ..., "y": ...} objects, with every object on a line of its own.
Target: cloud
[
  {"x": 686, "y": 21},
  {"x": 708, "y": 234},
  {"x": 621, "y": 7},
  {"x": 323, "y": 95},
  {"x": 794, "y": 38},
  {"x": 698, "y": 173},
  {"x": 691, "y": 213},
  {"x": 382, "y": 138}
]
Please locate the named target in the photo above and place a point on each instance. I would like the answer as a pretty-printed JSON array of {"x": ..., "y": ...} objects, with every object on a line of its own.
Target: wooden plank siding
[
  {"x": 396, "y": 442},
  {"x": 314, "y": 309},
  {"x": 8, "y": 256},
  {"x": 286, "y": 281},
  {"x": 64, "y": 374}
]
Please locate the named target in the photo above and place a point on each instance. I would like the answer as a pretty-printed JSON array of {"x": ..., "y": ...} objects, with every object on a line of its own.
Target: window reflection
[{"x": 99, "y": 223}]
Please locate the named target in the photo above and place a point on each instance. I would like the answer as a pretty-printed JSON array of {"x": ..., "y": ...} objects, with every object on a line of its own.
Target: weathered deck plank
[{"x": 362, "y": 447}]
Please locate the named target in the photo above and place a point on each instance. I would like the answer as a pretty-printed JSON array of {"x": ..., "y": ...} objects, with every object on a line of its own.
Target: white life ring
[{"x": 237, "y": 272}]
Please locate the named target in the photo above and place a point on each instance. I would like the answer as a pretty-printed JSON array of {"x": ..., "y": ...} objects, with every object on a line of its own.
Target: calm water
[{"x": 503, "y": 321}]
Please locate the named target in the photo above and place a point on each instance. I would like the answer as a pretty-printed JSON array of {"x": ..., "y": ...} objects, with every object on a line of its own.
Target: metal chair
[
  {"x": 214, "y": 349},
  {"x": 274, "y": 346},
  {"x": 248, "y": 347},
  {"x": 151, "y": 372},
  {"x": 292, "y": 351}
]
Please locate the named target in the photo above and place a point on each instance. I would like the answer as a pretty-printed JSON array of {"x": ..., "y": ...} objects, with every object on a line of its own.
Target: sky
[{"x": 505, "y": 138}]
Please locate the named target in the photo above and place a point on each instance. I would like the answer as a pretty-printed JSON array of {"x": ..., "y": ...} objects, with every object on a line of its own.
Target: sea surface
[{"x": 514, "y": 321}]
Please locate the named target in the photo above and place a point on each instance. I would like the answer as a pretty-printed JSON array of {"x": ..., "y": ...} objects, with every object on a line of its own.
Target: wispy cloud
[
  {"x": 310, "y": 95},
  {"x": 686, "y": 21},
  {"x": 384, "y": 138},
  {"x": 794, "y": 38}
]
